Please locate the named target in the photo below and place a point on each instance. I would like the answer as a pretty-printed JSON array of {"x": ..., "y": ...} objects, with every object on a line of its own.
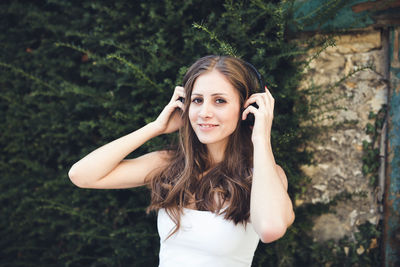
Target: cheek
[
  {"x": 234, "y": 115},
  {"x": 192, "y": 114},
  {"x": 231, "y": 119}
]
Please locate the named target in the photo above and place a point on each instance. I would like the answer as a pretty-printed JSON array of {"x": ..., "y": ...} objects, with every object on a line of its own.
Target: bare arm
[
  {"x": 271, "y": 210},
  {"x": 106, "y": 168},
  {"x": 270, "y": 206}
]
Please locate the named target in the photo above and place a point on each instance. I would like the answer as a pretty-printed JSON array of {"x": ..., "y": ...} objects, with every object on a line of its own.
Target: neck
[{"x": 216, "y": 152}]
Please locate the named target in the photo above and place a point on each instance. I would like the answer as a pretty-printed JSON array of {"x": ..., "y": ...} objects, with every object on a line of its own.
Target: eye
[
  {"x": 197, "y": 100},
  {"x": 220, "y": 101}
]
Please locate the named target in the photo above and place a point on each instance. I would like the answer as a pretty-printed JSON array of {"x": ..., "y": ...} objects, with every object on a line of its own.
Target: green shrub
[{"x": 77, "y": 74}]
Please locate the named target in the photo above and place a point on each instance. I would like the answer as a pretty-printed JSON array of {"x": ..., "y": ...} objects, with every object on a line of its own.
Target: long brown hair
[{"x": 192, "y": 178}]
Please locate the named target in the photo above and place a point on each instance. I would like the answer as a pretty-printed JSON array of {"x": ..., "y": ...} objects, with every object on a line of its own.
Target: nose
[{"x": 206, "y": 110}]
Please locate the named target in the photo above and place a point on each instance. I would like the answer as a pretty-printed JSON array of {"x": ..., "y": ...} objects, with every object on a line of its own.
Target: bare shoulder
[
  {"x": 159, "y": 156},
  {"x": 151, "y": 161},
  {"x": 282, "y": 175}
]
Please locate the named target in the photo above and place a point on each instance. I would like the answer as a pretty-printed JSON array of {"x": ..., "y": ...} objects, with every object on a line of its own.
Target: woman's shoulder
[
  {"x": 164, "y": 155},
  {"x": 158, "y": 157},
  {"x": 161, "y": 159}
]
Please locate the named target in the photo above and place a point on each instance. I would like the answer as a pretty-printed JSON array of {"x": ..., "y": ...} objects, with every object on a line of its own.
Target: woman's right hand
[{"x": 170, "y": 119}]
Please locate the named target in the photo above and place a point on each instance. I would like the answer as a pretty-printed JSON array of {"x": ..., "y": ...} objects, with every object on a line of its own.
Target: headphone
[{"x": 256, "y": 74}]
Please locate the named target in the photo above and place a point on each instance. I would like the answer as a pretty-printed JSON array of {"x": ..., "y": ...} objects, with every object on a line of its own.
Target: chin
[
  {"x": 206, "y": 141},
  {"x": 211, "y": 141}
]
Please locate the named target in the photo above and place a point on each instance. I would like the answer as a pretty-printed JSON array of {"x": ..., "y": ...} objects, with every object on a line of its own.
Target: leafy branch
[{"x": 223, "y": 46}]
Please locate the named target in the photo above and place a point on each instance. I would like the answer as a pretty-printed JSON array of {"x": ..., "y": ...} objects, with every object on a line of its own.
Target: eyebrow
[{"x": 215, "y": 94}]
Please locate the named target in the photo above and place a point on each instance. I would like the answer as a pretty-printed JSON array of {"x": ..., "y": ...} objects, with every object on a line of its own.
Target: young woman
[{"x": 220, "y": 191}]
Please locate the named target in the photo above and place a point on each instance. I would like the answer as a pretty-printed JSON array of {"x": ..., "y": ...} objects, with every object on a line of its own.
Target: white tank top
[{"x": 205, "y": 239}]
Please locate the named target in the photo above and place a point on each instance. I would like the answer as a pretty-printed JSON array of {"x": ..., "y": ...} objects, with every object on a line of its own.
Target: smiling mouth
[{"x": 206, "y": 125}]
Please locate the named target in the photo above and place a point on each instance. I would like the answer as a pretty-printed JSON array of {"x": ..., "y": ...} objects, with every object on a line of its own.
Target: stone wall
[{"x": 338, "y": 150}]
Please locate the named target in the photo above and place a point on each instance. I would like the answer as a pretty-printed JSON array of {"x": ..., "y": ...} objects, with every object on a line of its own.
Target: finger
[
  {"x": 179, "y": 104},
  {"x": 178, "y": 93},
  {"x": 249, "y": 109},
  {"x": 261, "y": 101},
  {"x": 171, "y": 108},
  {"x": 268, "y": 93},
  {"x": 179, "y": 89},
  {"x": 269, "y": 100},
  {"x": 250, "y": 100},
  {"x": 258, "y": 99}
]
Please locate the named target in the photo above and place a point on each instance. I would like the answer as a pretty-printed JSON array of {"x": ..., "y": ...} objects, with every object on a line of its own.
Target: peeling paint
[
  {"x": 345, "y": 17},
  {"x": 316, "y": 15},
  {"x": 392, "y": 201}
]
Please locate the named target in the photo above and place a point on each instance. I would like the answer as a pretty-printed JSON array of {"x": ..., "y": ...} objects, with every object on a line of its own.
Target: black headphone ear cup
[
  {"x": 258, "y": 77},
  {"x": 250, "y": 117}
]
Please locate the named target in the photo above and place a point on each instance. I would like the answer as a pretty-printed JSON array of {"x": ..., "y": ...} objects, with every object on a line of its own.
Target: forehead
[{"x": 213, "y": 82}]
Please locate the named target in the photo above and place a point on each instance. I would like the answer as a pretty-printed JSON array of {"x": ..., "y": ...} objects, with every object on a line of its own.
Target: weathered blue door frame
[{"x": 391, "y": 237}]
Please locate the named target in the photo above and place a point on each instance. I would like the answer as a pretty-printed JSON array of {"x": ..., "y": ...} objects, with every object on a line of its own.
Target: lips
[{"x": 207, "y": 126}]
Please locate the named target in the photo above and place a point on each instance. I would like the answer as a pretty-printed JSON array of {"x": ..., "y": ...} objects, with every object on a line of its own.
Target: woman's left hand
[{"x": 263, "y": 115}]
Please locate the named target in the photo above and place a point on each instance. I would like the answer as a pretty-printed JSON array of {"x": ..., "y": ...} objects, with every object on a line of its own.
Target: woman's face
[{"x": 214, "y": 109}]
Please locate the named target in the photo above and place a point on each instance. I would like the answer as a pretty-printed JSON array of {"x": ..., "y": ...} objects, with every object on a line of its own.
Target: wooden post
[{"x": 391, "y": 231}]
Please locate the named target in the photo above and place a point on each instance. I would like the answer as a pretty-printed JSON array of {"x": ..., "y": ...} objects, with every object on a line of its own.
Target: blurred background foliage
[{"x": 75, "y": 75}]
